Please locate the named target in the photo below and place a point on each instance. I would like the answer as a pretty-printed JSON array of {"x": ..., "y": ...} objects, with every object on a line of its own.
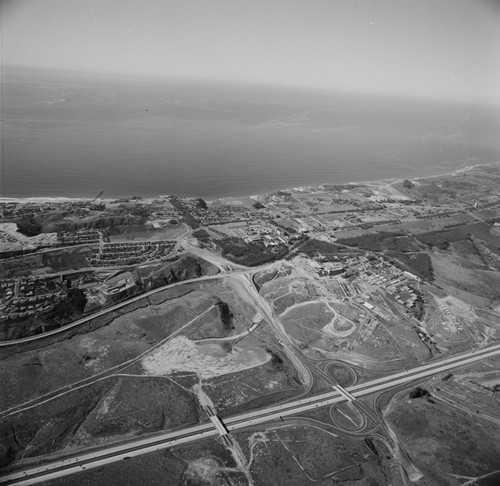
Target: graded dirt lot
[
  {"x": 413, "y": 277},
  {"x": 315, "y": 313},
  {"x": 309, "y": 317},
  {"x": 129, "y": 334},
  {"x": 205, "y": 360},
  {"x": 136, "y": 373},
  {"x": 256, "y": 387}
]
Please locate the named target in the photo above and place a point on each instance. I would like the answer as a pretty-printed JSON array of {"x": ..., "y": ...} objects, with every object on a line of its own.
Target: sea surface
[{"x": 68, "y": 134}]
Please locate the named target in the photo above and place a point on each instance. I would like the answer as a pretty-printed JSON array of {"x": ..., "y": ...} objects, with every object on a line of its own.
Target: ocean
[{"x": 68, "y": 134}]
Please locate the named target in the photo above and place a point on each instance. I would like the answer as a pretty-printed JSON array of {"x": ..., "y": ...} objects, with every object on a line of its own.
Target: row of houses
[
  {"x": 130, "y": 253},
  {"x": 78, "y": 237}
]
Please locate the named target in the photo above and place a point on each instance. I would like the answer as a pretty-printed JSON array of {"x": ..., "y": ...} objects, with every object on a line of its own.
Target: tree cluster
[{"x": 250, "y": 254}]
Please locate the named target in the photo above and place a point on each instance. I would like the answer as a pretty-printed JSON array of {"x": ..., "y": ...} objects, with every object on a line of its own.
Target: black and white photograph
[{"x": 250, "y": 242}]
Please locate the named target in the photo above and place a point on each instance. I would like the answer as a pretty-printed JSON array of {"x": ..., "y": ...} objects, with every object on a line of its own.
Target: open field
[
  {"x": 136, "y": 405},
  {"x": 112, "y": 409},
  {"x": 281, "y": 455},
  {"x": 355, "y": 282},
  {"x": 320, "y": 318},
  {"x": 81, "y": 294},
  {"x": 452, "y": 434},
  {"x": 160, "y": 348},
  {"x": 204, "y": 463},
  {"x": 124, "y": 337},
  {"x": 308, "y": 453},
  {"x": 475, "y": 286},
  {"x": 272, "y": 381},
  {"x": 150, "y": 233},
  {"x": 480, "y": 230}
]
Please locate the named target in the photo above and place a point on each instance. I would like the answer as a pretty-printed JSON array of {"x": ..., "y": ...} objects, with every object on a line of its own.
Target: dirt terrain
[
  {"x": 352, "y": 283},
  {"x": 138, "y": 373},
  {"x": 452, "y": 433}
]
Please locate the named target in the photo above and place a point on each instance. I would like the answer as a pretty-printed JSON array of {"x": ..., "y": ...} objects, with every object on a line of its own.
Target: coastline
[{"x": 316, "y": 187}]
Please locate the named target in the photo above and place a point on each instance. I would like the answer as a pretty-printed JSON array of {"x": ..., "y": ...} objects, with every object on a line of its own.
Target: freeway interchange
[
  {"x": 70, "y": 465},
  {"x": 306, "y": 369}
]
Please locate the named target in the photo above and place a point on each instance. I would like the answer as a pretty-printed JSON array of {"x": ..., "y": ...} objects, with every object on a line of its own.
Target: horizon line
[{"x": 152, "y": 77}]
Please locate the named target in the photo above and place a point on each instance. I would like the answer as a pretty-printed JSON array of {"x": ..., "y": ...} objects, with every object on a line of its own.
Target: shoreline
[{"x": 65, "y": 199}]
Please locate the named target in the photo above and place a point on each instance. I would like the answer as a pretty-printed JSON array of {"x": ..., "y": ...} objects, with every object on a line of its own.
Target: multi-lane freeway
[{"x": 98, "y": 458}]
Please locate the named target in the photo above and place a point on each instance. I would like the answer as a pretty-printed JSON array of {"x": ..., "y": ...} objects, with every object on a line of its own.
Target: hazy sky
[{"x": 417, "y": 47}]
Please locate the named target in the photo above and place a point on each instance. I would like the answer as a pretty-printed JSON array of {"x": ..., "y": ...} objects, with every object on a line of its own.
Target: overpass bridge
[{"x": 87, "y": 460}]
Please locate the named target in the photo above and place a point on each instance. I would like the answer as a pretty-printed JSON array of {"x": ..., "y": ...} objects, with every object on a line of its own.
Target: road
[
  {"x": 70, "y": 465},
  {"x": 102, "y": 375},
  {"x": 247, "y": 287},
  {"x": 107, "y": 310},
  {"x": 220, "y": 262}
]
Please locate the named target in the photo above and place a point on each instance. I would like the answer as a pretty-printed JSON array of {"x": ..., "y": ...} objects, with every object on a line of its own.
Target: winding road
[{"x": 98, "y": 458}]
